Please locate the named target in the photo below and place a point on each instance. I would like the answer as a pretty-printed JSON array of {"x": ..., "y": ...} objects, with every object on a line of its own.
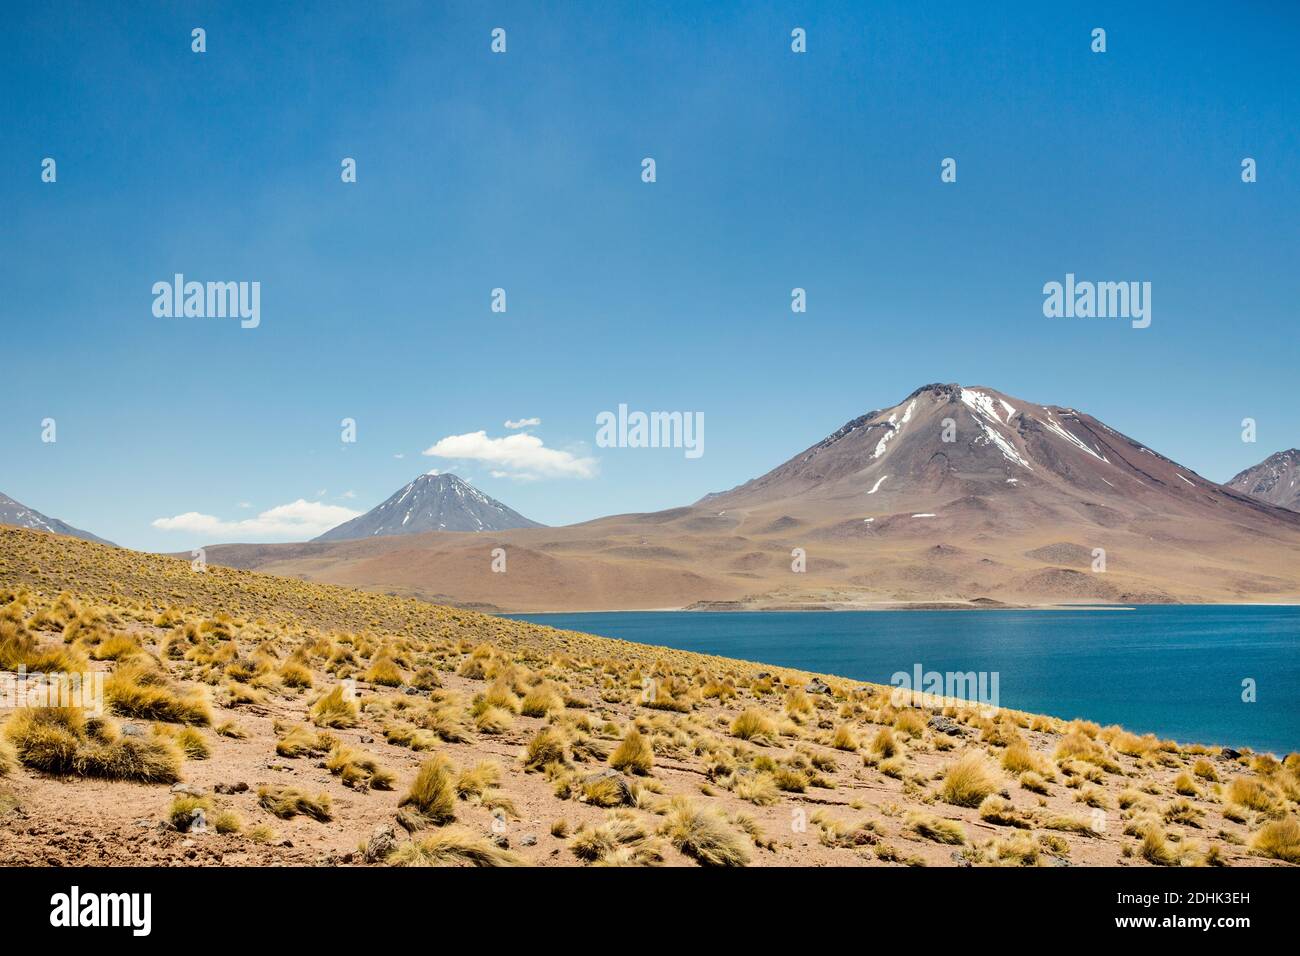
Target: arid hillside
[
  {"x": 251, "y": 719},
  {"x": 955, "y": 496}
]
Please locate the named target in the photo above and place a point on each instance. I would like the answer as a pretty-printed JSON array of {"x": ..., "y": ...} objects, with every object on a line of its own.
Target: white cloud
[
  {"x": 524, "y": 423},
  {"x": 399, "y": 455},
  {"x": 348, "y": 494},
  {"x": 520, "y": 455},
  {"x": 295, "y": 521},
  {"x": 245, "y": 504}
]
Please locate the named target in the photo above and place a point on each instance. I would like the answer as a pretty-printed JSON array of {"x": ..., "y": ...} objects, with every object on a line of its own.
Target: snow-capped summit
[
  {"x": 17, "y": 513},
  {"x": 432, "y": 502}
]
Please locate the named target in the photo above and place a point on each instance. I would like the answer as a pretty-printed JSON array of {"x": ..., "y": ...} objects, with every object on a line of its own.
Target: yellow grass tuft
[
  {"x": 358, "y": 769},
  {"x": 544, "y": 749},
  {"x": 141, "y": 691},
  {"x": 633, "y": 755},
  {"x": 454, "y": 846},
  {"x": 754, "y": 724},
  {"x": 935, "y": 828},
  {"x": 618, "y": 840},
  {"x": 64, "y": 742},
  {"x": 334, "y": 709},
  {"x": 969, "y": 780},
  {"x": 1279, "y": 839},
  {"x": 702, "y": 835},
  {"x": 432, "y": 797},
  {"x": 286, "y": 802}
]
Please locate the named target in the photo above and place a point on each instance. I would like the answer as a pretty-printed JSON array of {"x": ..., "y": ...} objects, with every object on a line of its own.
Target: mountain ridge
[
  {"x": 1276, "y": 480},
  {"x": 956, "y": 496},
  {"x": 431, "y": 502},
  {"x": 16, "y": 513}
]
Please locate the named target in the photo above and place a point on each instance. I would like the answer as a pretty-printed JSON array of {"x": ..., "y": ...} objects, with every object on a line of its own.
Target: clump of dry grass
[
  {"x": 358, "y": 769},
  {"x": 294, "y": 673},
  {"x": 286, "y": 802},
  {"x": 18, "y": 648},
  {"x": 837, "y": 833},
  {"x": 754, "y": 724},
  {"x": 633, "y": 755},
  {"x": 227, "y": 821},
  {"x": 1018, "y": 758},
  {"x": 968, "y": 780},
  {"x": 453, "y": 846},
  {"x": 702, "y": 835},
  {"x": 298, "y": 741},
  {"x": 541, "y": 701},
  {"x": 935, "y": 828},
  {"x": 618, "y": 840},
  {"x": 1002, "y": 812},
  {"x": 189, "y": 739},
  {"x": 759, "y": 789},
  {"x": 844, "y": 738},
  {"x": 1155, "y": 848},
  {"x": 141, "y": 691},
  {"x": 261, "y": 833},
  {"x": 1253, "y": 795},
  {"x": 65, "y": 742},
  {"x": 546, "y": 748},
  {"x": 188, "y": 812},
  {"x": 493, "y": 720},
  {"x": 383, "y": 670},
  {"x": 606, "y": 789},
  {"x": 8, "y": 757},
  {"x": 477, "y": 780},
  {"x": 884, "y": 745},
  {"x": 1279, "y": 839},
  {"x": 1033, "y": 782},
  {"x": 334, "y": 709},
  {"x": 116, "y": 647},
  {"x": 432, "y": 797}
]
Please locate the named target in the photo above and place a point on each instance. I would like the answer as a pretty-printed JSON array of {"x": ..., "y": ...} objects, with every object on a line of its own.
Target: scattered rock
[
  {"x": 382, "y": 842},
  {"x": 239, "y": 787},
  {"x": 367, "y": 739},
  {"x": 946, "y": 725},
  {"x": 609, "y": 773},
  {"x": 1227, "y": 753},
  {"x": 500, "y": 840},
  {"x": 528, "y": 839},
  {"x": 132, "y": 730},
  {"x": 188, "y": 789},
  {"x": 818, "y": 686}
]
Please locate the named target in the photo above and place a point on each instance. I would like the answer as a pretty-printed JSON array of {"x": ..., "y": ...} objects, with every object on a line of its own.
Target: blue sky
[{"x": 522, "y": 171}]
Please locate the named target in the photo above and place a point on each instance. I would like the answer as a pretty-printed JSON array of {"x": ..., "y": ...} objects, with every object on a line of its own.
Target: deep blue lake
[{"x": 1176, "y": 671}]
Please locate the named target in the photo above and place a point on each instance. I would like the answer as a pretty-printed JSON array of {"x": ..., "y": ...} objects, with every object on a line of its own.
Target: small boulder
[
  {"x": 817, "y": 686},
  {"x": 945, "y": 725},
  {"x": 382, "y": 842}
]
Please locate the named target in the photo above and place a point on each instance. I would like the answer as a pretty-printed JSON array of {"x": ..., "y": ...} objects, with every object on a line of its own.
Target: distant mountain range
[
  {"x": 431, "y": 502},
  {"x": 1276, "y": 480},
  {"x": 17, "y": 513},
  {"x": 956, "y": 496}
]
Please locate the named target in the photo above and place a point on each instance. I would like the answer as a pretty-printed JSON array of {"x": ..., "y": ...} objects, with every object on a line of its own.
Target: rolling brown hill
[{"x": 955, "y": 496}]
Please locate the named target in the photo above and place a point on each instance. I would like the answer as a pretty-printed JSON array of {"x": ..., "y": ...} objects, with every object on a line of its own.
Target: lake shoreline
[{"x": 1228, "y": 674}]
